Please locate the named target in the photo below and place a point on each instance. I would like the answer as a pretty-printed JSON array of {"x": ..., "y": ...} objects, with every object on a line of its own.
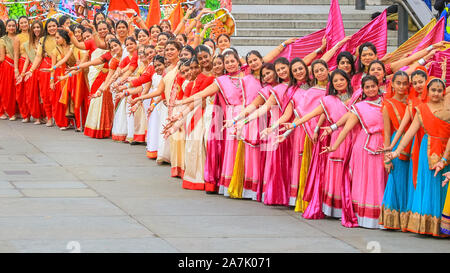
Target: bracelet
[
  {"x": 78, "y": 67},
  {"x": 274, "y": 126},
  {"x": 126, "y": 93},
  {"x": 70, "y": 74},
  {"x": 283, "y": 44},
  {"x": 52, "y": 78},
  {"x": 334, "y": 127},
  {"x": 319, "y": 50},
  {"x": 246, "y": 121},
  {"x": 287, "y": 133},
  {"x": 422, "y": 61},
  {"x": 443, "y": 159},
  {"x": 317, "y": 129},
  {"x": 430, "y": 48},
  {"x": 154, "y": 104},
  {"x": 293, "y": 124}
]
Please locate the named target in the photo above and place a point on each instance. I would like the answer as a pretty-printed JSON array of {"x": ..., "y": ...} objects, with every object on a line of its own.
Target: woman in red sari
[
  {"x": 19, "y": 65},
  {"x": 8, "y": 84},
  {"x": 43, "y": 61},
  {"x": 33, "y": 99}
]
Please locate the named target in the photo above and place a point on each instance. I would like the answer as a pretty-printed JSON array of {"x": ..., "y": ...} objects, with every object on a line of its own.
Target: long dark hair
[
  {"x": 313, "y": 64},
  {"x": 2, "y": 28},
  {"x": 269, "y": 66},
  {"x": 366, "y": 79},
  {"x": 360, "y": 50},
  {"x": 332, "y": 90},
  {"x": 293, "y": 80},
  {"x": 349, "y": 57},
  {"x": 46, "y": 31},
  {"x": 17, "y": 25},
  {"x": 382, "y": 66},
  {"x": 95, "y": 18},
  {"x": 281, "y": 60},
  {"x": 32, "y": 37},
  {"x": 64, "y": 34}
]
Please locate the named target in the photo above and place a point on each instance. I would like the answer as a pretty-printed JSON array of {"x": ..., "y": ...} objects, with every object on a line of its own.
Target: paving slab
[
  {"x": 229, "y": 226},
  {"x": 71, "y": 228},
  {"x": 129, "y": 245},
  {"x": 59, "y": 193},
  {"x": 261, "y": 245},
  {"x": 57, "y": 207}
]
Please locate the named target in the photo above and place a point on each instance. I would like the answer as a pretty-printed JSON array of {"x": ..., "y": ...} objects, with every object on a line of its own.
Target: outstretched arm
[{"x": 351, "y": 122}]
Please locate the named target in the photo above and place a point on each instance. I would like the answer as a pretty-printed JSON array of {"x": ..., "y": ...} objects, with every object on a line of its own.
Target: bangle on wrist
[
  {"x": 274, "y": 126},
  {"x": 334, "y": 127},
  {"x": 293, "y": 124},
  {"x": 319, "y": 50},
  {"x": 443, "y": 159},
  {"x": 317, "y": 129},
  {"x": 287, "y": 133},
  {"x": 430, "y": 48},
  {"x": 421, "y": 61}
]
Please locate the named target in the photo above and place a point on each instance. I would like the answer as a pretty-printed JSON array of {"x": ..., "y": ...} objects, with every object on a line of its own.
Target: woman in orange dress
[{"x": 424, "y": 216}]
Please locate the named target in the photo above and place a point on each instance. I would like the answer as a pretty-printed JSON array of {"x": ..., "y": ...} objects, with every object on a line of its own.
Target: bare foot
[
  {"x": 49, "y": 123},
  {"x": 25, "y": 120}
]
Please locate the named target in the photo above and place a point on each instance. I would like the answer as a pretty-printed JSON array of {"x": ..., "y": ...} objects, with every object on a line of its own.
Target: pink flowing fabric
[
  {"x": 232, "y": 93},
  {"x": 304, "y": 105},
  {"x": 298, "y": 140},
  {"x": 434, "y": 36},
  {"x": 254, "y": 157},
  {"x": 435, "y": 68},
  {"x": 215, "y": 146},
  {"x": 303, "y": 46},
  {"x": 375, "y": 32},
  {"x": 366, "y": 165},
  {"x": 277, "y": 168},
  {"x": 336, "y": 201},
  {"x": 335, "y": 31}
]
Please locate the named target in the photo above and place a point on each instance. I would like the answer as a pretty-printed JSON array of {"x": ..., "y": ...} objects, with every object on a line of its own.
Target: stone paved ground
[{"x": 57, "y": 187}]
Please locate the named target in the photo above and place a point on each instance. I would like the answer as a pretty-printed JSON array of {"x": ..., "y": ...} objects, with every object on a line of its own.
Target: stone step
[
  {"x": 274, "y": 32},
  {"x": 290, "y": 2},
  {"x": 307, "y": 2},
  {"x": 298, "y": 16},
  {"x": 264, "y": 50},
  {"x": 295, "y": 24},
  {"x": 275, "y": 41}
]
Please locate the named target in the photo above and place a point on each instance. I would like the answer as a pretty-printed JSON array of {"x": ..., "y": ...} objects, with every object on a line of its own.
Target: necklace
[
  {"x": 344, "y": 97},
  {"x": 322, "y": 83},
  {"x": 235, "y": 81}
]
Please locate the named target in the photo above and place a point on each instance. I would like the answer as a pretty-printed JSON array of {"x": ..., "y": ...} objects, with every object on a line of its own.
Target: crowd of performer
[{"x": 366, "y": 143}]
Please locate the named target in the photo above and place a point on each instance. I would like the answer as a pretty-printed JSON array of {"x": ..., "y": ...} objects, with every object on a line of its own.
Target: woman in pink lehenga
[
  {"x": 276, "y": 179},
  {"x": 299, "y": 84},
  {"x": 335, "y": 201},
  {"x": 366, "y": 164},
  {"x": 254, "y": 153},
  {"x": 230, "y": 96},
  {"x": 310, "y": 120},
  {"x": 269, "y": 79}
]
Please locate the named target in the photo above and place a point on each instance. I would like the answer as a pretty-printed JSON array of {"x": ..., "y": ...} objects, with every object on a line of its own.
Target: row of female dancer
[{"x": 367, "y": 142}]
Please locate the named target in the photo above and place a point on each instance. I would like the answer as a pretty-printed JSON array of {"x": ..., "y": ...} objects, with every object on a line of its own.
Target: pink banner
[
  {"x": 335, "y": 31},
  {"x": 434, "y": 36}
]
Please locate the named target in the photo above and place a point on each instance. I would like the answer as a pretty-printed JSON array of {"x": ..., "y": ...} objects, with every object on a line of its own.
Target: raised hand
[
  {"x": 390, "y": 156},
  {"x": 326, "y": 132},
  {"x": 447, "y": 178},
  {"x": 265, "y": 132},
  {"x": 327, "y": 149},
  {"x": 27, "y": 75}
]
